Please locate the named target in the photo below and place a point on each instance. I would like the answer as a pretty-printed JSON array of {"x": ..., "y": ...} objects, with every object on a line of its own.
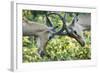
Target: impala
[{"x": 79, "y": 24}]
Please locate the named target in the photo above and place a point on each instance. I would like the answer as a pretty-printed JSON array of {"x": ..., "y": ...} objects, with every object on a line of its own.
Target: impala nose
[{"x": 78, "y": 38}]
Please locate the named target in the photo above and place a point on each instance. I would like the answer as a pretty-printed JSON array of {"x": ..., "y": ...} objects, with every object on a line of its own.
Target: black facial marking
[{"x": 75, "y": 32}]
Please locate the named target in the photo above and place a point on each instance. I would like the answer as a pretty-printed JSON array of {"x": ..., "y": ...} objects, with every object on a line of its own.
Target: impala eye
[{"x": 75, "y": 32}]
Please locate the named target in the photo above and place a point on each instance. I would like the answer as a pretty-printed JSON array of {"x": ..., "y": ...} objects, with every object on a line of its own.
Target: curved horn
[
  {"x": 64, "y": 22},
  {"x": 64, "y": 26},
  {"x": 75, "y": 18},
  {"x": 48, "y": 21}
]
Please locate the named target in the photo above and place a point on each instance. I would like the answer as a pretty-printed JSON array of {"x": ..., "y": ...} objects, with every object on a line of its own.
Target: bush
[{"x": 59, "y": 48}]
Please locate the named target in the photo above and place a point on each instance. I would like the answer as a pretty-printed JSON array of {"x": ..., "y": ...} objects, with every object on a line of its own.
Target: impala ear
[{"x": 74, "y": 20}]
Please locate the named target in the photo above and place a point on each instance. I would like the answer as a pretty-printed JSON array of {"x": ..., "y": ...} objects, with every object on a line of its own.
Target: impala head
[{"x": 75, "y": 31}]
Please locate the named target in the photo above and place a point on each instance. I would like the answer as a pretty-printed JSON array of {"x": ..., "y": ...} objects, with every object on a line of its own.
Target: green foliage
[
  {"x": 60, "y": 48},
  {"x": 56, "y": 21}
]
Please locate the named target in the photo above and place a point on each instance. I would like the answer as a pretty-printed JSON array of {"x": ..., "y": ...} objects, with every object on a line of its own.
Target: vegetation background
[{"x": 60, "y": 48}]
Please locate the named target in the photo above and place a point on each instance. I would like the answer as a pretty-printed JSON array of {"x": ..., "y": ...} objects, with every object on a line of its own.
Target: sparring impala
[
  {"x": 80, "y": 23},
  {"x": 42, "y": 32}
]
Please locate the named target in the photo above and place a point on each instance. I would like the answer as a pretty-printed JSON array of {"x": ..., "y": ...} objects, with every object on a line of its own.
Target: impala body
[{"x": 41, "y": 31}]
